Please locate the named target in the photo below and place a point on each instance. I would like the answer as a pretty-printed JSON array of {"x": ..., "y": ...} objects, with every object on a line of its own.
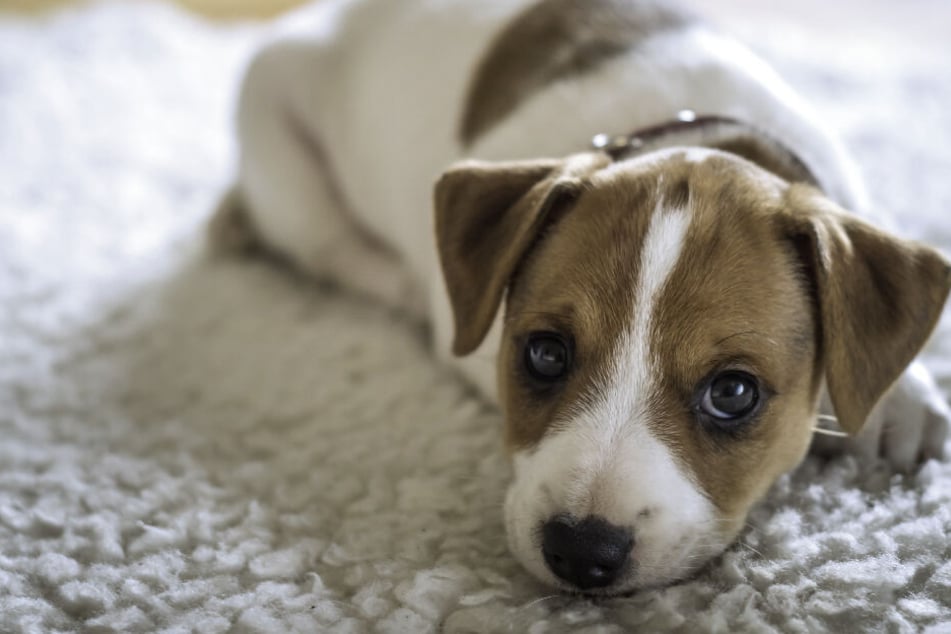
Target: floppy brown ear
[
  {"x": 487, "y": 216},
  {"x": 879, "y": 298}
]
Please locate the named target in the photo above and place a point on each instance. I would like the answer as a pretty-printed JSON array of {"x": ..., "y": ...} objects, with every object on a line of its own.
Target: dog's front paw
[
  {"x": 911, "y": 423},
  {"x": 916, "y": 418}
]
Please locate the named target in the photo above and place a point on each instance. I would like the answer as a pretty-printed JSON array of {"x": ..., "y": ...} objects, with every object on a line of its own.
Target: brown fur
[
  {"x": 579, "y": 280},
  {"x": 492, "y": 212},
  {"x": 553, "y": 40},
  {"x": 735, "y": 300},
  {"x": 879, "y": 299},
  {"x": 769, "y": 155},
  {"x": 766, "y": 283}
]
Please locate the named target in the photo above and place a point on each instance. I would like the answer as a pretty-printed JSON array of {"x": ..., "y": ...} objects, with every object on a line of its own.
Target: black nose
[{"x": 590, "y": 553}]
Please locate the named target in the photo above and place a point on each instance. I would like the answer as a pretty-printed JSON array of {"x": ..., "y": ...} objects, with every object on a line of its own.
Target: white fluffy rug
[{"x": 190, "y": 445}]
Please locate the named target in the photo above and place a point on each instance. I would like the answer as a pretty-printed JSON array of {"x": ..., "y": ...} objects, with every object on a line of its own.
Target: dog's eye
[
  {"x": 546, "y": 356},
  {"x": 730, "y": 396}
]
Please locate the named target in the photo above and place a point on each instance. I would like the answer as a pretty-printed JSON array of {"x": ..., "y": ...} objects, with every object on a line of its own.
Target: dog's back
[{"x": 422, "y": 83}]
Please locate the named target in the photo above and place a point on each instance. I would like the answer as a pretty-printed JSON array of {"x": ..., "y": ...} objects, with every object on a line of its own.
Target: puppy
[{"x": 659, "y": 315}]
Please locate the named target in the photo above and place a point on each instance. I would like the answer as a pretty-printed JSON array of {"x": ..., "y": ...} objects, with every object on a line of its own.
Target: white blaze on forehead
[
  {"x": 635, "y": 469},
  {"x": 659, "y": 254},
  {"x": 619, "y": 398}
]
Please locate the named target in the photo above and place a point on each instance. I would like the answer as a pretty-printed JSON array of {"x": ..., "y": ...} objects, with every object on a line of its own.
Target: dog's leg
[
  {"x": 286, "y": 198},
  {"x": 908, "y": 426}
]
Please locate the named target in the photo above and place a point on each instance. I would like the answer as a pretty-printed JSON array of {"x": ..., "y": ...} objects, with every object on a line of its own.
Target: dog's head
[{"x": 669, "y": 321}]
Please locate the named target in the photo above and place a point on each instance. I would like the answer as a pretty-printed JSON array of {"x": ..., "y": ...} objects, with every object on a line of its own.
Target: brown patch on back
[{"x": 553, "y": 40}]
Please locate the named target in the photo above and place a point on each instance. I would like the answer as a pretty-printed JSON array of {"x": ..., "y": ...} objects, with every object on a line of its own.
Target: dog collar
[{"x": 725, "y": 133}]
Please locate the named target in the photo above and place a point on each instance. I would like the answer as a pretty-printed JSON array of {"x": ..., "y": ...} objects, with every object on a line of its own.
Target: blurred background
[
  {"x": 879, "y": 24},
  {"x": 213, "y": 8},
  {"x": 146, "y": 392}
]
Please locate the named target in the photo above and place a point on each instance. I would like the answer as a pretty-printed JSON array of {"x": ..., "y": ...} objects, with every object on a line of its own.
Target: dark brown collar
[{"x": 713, "y": 131}]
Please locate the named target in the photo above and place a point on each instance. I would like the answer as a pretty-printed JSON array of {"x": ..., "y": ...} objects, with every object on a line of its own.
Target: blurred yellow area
[{"x": 212, "y": 8}]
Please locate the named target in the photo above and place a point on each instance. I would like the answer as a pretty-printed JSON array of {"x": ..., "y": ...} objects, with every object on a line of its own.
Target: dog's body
[{"x": 638, "y": 284}]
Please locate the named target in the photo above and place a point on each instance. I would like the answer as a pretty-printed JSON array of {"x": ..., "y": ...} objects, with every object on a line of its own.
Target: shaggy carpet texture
[{"x": 199, "y": 445}]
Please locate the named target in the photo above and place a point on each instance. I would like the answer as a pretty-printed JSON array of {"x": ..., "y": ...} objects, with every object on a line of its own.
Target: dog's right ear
[
  {"x": 487, "y": 216},
  {"x": 878, "y": 298}
]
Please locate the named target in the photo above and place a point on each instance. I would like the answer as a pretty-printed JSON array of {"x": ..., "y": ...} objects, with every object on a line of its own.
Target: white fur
[
  {"x": 387, "y": 116},
  {"x": 603, "y": 460}
]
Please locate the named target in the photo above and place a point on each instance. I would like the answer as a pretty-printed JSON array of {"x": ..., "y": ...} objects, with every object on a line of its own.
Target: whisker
[
  {"x": 751, "y": 549},
  {"x": 826, "y": 418},
  {"x": 539, "y": 600}
]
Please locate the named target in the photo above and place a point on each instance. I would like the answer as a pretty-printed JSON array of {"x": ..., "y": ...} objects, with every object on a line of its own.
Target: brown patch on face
[
  {"x": 579, "y": 282},
  {"x": 736, "y": 299},
  {"x": 552, "y": 40},
  {"x": 487, "y": 215}
]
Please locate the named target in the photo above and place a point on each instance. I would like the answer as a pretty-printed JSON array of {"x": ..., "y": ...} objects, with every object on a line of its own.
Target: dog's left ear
[
  {"x": 487, "y": 217},
  {"x": 879, "y": 297}
]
